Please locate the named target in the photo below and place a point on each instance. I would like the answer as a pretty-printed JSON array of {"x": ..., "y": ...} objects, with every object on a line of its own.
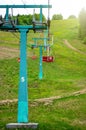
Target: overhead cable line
[
  {"x": 13, "y": 33},
  {"x": 48, "y": 21},
  {"x": 14, "y": 4},
  {"x": 24, "y": 3},
  {"x": 48, "y": 9},
  {"x": 33, "y": 1}
]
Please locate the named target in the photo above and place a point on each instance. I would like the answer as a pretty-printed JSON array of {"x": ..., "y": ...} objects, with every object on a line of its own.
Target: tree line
[
  {"x": 28, "y": 19},
  {"x": 82, "y": 26},
  {"x": 82, "y": 23}
]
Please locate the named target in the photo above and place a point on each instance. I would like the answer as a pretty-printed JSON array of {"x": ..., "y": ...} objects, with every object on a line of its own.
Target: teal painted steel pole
[
  {"x": 7, "y": 14},
  {"x": 23, "y": 87},
  {"x": 40, "y": 64},
  {"x": 25, "y": 6},
  {"x": 40, "y": 14},
  {"x": 45, "y": 39},
  {"x": 45, "y": 44}
]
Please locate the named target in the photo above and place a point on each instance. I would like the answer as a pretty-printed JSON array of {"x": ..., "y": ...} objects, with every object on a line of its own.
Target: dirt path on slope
[
  {"x": 45, "y": 101},
  {"x": 8, "y": 53},
  {"x": 71, "y": 47}
]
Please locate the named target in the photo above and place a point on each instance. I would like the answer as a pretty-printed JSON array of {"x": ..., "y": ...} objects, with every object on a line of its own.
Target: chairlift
[
  {"x": 33, "y": 46},
  {"x": 33, "y": 54},
  {"x": 48, "y": 58},
  {"x": 46, "y": 46},
  {"x": 1, "y": 20},
  {"x": 18, "y": 59},
  {"x": 10, "y": 20},
  {"x": 34, "y": 57},
  {"x": 40, "y": 22}
]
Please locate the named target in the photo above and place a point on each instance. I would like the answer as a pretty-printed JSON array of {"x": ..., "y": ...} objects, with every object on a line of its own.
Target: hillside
[{"x": 57, "y": 100}]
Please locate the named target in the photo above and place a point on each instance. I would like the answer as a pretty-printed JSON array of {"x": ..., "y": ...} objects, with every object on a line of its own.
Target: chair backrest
[{"x": 48, "y": 58}]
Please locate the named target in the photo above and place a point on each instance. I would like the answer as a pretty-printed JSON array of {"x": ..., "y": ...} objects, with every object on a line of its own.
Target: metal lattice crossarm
[
  {"x": 17, "y": 27},
  {"x": 25, "y": 6},
  {"x": 7, "y": 25}
]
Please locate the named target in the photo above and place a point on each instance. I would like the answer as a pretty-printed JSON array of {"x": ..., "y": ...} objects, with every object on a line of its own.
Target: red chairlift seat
[
  {"x": 34, "y": 57},
  {"x": 48, "y": 58},
  {"x": 18, "y": 59}
]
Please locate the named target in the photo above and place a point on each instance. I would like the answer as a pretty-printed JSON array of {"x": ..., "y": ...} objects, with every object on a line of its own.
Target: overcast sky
[{"x": 64, "y": 7}]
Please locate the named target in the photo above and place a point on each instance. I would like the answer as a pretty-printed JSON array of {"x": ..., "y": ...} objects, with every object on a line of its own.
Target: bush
[
  {"x": 84, "y": 40},
  {"x": 57, "y": 17},
  {"x": 72, "y": 17},
  {"x": 82, "y": 21}
]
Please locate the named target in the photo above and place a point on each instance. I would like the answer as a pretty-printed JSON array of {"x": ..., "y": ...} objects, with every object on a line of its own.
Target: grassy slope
[{"x": 65, "y": 75}]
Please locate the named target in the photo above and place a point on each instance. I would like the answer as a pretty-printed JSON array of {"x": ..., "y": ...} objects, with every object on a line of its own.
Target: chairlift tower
[
  {"x": 45, "y": 39},
  {"x": 23, "y": 115},
  {"x": 46, "y": 47}
]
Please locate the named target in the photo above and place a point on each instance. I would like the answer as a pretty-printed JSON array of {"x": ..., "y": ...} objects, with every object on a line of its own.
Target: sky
[{"x": 64, "y": 7}]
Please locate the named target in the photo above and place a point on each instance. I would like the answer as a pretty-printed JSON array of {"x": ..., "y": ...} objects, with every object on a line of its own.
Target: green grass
[
  {"x": 9, "y": 39},
  {"x": 62, "y": 114},
  {"x": 67, "y": 74}
]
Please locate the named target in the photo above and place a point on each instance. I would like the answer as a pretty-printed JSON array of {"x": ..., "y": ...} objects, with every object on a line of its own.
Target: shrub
[{"x": 84, "y": 40}]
